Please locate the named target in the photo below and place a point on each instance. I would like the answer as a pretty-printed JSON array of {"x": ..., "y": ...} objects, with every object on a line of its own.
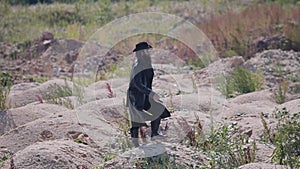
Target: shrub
[
  {"x": 285, "y": 137},
  {"x": 227, "y": 147},
  {"x": 239, "y": 81},
  {"x": 5, "y": 85}
]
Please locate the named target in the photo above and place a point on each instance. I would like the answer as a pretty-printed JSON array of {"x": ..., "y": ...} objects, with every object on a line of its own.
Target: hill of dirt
[{"x": 37, "y": 134}]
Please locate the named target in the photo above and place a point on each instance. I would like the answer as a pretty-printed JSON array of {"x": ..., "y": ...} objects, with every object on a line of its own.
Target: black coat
[
  {"x": 140, "y": 96},
  {"x": 140, "y": 88}
]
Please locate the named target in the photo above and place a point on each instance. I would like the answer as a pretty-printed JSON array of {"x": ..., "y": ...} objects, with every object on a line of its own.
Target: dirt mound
[
  {"x": 20, "y": 96},
  {"x": 64, "y": 154},
  {"x": 57, "y": 126},
  {"x": 39, "y": 135},
  {"x": 13, "y": 118}
]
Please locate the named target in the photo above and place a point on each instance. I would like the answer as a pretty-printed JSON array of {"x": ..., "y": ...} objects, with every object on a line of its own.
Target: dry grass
[{"x": 232, "y": 32}]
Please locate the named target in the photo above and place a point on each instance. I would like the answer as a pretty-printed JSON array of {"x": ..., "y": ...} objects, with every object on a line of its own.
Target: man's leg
[
  {"x": 134, "y": 132},
  {"x": 155, "y": 126}
]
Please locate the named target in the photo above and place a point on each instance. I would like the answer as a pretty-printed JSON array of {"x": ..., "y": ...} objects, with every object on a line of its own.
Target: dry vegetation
[{"x": 231, "y": 26}]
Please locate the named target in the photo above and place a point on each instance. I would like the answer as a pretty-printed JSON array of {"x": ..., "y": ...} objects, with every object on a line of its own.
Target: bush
[
  {"x": 285, "y": 137},
  {"x": 240, "y": 81},
  {"x": 5, "y": 85},
  {"x": 227, "y": 147}
]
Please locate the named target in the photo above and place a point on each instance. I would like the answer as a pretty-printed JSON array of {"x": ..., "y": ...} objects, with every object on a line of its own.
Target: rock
[
  {"x": 62, "y": 154},
  {"x": 272, "y": 42},
  {"x": 276, "y": 66},
  {"x": 47, "y": 36},
  {"x": 217, "y": 69}
]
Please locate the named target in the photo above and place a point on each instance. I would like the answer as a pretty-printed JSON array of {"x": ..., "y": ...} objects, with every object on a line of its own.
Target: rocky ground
[{"x": 37, "y": 134}]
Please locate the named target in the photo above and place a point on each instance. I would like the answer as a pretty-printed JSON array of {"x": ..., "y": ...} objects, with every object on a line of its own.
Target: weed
[
  {"x": 267, "y": 135},
  {"x": 124, "y": 126},
  {"x": 40, "y": 79},
  {"x": 4, "y": 159},
  {"x": 122, "y": 142},
  {"x": 285, "y": 137},
  {"x": 5, "y": 86},
  {"x": 80, "y": 140},
  {"x": 60, "y": 94},
  {"x": 278, "y": 69},
  {"x": 110, "y": 93},
  {"x": 161, "y": 162},
  {"x": 240, "y": 81},
  {"x": 39, "y": 97},
  {"x": 227, "y": 147},
  {"x": 280, "y": 94}
]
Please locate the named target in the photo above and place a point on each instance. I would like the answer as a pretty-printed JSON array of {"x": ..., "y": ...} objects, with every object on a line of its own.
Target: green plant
[
  {"x": 287, "y": 139},
  {"x": 240, "y": 81},
  {"x": 80, "y": 140},
  {"x": 60, "y": 95},
  {"x": 227, "y": 147},
  {"x": 280, "y": 94},
  {"x": 40, "y": 79},
  {"x": 267, "y": 134},
  {"x": 6, "y": 83},
  {"x": 3, "y": 160},
  {"x": 122, "y": 141},
  {"x": 161, "y": 162}
]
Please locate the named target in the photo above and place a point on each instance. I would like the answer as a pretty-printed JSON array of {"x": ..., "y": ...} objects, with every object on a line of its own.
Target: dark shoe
[{"x": 135, "y": 142}]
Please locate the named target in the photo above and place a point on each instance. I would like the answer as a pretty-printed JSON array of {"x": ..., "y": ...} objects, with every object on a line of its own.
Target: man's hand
[{"x": 156, "y": 97}]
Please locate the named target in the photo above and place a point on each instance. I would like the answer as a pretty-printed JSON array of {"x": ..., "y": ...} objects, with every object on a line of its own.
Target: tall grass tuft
[
  {"x": 61, "y": 95},
  {"x": 5, "y": 86},
  {"x": 240, "y": 81}
]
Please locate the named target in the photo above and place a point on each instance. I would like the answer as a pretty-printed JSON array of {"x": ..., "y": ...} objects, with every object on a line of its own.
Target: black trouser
[{"x": 134, "y": 131}]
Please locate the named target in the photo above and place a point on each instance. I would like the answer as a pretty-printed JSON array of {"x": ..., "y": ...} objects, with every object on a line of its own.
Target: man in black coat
[{"x": 143, "y": 102}]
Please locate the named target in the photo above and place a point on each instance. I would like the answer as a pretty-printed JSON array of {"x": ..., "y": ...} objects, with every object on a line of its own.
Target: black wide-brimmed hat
[{"x": 142, "y": 46}]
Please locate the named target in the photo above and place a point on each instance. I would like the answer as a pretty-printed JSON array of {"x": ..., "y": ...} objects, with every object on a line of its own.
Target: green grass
[
  {"x": 233, "y": 24},
  {"x": 240, "y": 81}
]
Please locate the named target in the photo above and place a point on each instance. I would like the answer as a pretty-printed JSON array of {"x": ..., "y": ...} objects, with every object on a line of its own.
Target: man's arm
[{"x": 137, "y": 81}]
